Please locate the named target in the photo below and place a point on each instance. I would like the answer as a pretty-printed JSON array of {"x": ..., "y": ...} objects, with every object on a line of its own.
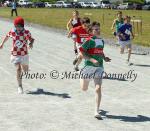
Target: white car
[
  {"x": 25, "y": 3},
  {"x": 105, "y": 4},
  {"x": 94, "y": 5},
  {"x": 7, "y": 3},
  {"x": 84, "y": 4},
  {"x": 62, "y": 4},
  {"x": 125, "y": 6},
  {"x": 47, "y": 4}
]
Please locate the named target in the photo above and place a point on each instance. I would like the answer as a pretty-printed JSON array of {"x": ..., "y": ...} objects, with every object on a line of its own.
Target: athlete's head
[
  {"x": 119, "y": 14},
  {"x": 75, "y": 14},
  {"x": 19, "y": 23},
  {"x": 95, "y": 28},
  {"x": 85, "y": 22},
  {"x": 127, "y": 19}
]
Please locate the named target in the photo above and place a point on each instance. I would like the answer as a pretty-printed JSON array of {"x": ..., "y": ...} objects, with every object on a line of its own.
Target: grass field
[{"x": 58, "y": 18}]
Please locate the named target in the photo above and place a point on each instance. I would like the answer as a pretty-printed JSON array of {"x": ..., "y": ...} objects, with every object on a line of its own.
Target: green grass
[{"x": 58, "y": 18}]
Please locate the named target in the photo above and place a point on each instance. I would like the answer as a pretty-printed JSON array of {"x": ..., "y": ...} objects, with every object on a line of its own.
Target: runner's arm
[
  {"x": 132, "y": 34},
  {"x": 68, "y": 25},
  {"x": 106, "y": 59},
  {"x": 113, "y": 24},
  {"x": 83, "y": 50},
  {"x": 3, "y": 41},
  {"x": 31, "y": 43}
]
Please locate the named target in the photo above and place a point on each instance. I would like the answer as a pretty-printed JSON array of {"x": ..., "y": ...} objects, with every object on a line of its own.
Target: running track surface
[{"x": 59, "y": 104}]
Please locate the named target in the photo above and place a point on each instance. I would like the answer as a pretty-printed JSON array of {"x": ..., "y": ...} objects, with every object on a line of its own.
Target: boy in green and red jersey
[{"x": 92, "y": 52}]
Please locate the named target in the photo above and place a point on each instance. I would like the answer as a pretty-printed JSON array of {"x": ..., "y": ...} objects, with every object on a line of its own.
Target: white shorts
[
  {"x": 123, "y": 44},
  {"x": 24, "y": 60},
  {"x": 92, "y": 73}
]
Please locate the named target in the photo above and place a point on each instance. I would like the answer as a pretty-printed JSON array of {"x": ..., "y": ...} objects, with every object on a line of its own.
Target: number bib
[
  {"x": 74, "y": 22},
  {"x": 82, "y": 40},
  {"x": 98, "y": 42},
  {"x": 128, "y": 32},
  {"x": 19, "y": 44}
]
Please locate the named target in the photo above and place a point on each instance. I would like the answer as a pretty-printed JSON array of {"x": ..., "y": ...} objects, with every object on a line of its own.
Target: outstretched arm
[
  {"x": 68, "y": 25},
  {"x": 3, "y": 42},
  {"x": 113, "y": 24},
  {"x": 31, "y": 43}
]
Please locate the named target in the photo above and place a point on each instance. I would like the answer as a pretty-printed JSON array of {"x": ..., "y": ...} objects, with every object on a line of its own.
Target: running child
[
  {"x": 124, "y": 34},
  {"x": 79, "y": 34},
  {"x": 19, "y": 51},
  {"x": 92, "y": 52},
  {"x": 75, "y": 21},
  {"x": 117, "y": 22}
]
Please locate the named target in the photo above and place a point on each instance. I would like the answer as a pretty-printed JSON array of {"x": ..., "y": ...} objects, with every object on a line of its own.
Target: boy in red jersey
[
  {"x": 19, "y": 52},
  {"x": 79, "y": 34}
]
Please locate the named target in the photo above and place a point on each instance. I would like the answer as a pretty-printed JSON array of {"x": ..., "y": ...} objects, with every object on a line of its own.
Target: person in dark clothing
[{"x": 14, "y": 8}]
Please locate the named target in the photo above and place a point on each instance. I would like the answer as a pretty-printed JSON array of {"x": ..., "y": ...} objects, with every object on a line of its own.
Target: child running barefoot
[
  {"x": 92, "y": 52},
  {"x": 19, "y": 52},
  {"x": 124, "y": 34}
]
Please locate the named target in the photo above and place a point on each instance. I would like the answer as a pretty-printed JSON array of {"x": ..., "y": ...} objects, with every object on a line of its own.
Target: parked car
[
  {"x": 75, "y": 5},
  {"x": 62, "y": 4},
  {"x": 25, "y": 3},
  {"x": 113, "y": 6},
  {"x": 38, "y": 5},
  {"x": 85, "y": 4},
  {"x": 137, "y": 6},
  {"x": 47, "y": 4},
  {"x": 7, "y": 3},
  {"x": 146, "y": 7},
  {"x": 125, "y": 6},
  {"x": 105, "y": 3},
  {"x": 94, "y": 5}
]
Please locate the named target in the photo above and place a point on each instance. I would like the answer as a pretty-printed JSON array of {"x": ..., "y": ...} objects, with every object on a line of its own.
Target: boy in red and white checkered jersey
[{"x": 19, "y": 51}]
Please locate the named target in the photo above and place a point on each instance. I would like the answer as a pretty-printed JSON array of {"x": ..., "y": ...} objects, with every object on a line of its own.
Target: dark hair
[
  {"x": 75, "y": 11},
  {"x": 95, "y": 23},
  {"x": 119, "y": 12},
  {"x": 127, "y": 17},
  {"x": 86, "y": 20}
]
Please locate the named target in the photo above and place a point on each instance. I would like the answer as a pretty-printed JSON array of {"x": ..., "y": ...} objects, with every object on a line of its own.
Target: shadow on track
[
  {"x": 138, "y": 118},
  {"x": 42, "y": 92}
]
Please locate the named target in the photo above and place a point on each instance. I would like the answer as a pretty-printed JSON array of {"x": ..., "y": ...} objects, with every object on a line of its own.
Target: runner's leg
[
  {"x": 129, "y": 51},
  {"x": 98, "y": 82},
  {"x": 84, "y": 83},
  {"x": 19, "y": 71},
  {"x": 25, "y": 68},
  {"x": 19, "y": 79}
]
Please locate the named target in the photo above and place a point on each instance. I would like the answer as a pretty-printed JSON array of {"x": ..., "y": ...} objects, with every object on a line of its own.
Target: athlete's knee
[
  {"x": 129, "y": 49},
  {"x": 25, "y": 68},
  {"x": 98, "y": 88},
  {"x": 121, "y": 51},
  {"x": 80, "y": 56},
  {"x": 84, "y": 88},
  {"x": 18, "y": 68}
]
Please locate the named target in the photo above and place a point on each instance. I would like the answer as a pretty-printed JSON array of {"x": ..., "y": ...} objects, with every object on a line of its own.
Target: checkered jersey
[{"x": 20, "y": 41}]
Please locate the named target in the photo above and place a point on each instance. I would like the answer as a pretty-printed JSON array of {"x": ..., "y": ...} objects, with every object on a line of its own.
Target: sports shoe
[
  {"x": 20, "y": 90},
  {"x": 97, "y": 115},
  {"x": 76, "y": 68}
]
